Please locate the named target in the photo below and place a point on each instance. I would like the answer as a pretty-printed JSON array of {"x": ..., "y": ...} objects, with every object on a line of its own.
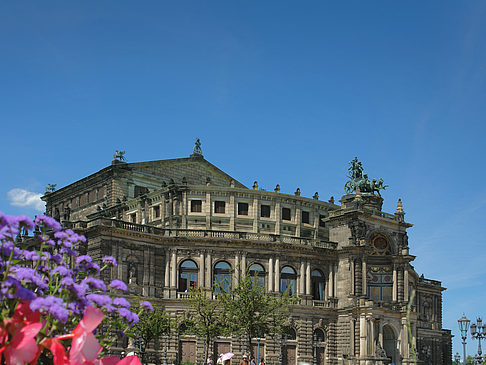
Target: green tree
[
  {"x": 252, "y": 312},
  {"x": 152, "y": 325},
  {"x": 207, "y": 320}
]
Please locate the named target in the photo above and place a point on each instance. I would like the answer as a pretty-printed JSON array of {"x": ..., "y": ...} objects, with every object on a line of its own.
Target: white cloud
[{"x": 23, "y": 198}]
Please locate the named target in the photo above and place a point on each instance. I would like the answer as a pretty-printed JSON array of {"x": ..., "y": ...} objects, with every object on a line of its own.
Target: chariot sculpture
[{"x": 360, "y": 180}]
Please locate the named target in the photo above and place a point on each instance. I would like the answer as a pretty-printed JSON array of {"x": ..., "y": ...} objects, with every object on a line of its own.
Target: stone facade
[{"x": 174, "y": 223}]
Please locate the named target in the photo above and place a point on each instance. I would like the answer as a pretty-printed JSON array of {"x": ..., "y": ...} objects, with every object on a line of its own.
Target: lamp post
[
  {"x": 478, "y": 331},
  {"x": 457, "y": 357},
  {"x": 463, "y": 326}
]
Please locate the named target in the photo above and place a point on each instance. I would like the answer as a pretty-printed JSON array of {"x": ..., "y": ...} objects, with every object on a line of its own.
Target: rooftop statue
[
  {"x": 119, "y": 155},
  {"x": 50, "y": 188},
  {"x": 361, "y": 181},
  {"x": 197, "y": 147}
]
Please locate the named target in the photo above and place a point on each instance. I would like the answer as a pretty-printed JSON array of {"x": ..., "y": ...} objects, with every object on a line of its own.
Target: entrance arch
[{"x": 390, "y": 344}]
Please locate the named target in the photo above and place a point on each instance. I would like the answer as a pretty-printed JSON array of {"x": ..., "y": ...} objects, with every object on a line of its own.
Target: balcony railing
[{"x": 212, "y": 234}]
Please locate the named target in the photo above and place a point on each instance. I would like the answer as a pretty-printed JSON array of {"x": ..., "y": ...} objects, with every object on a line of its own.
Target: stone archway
[{"x": 390, "y": 345}]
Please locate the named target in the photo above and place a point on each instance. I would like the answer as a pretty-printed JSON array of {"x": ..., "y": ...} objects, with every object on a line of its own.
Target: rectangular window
[
  {"x": 321, "y": 223},
  {"x": 219, "y": 207},
  {"x": 156, "y": 211},
  {"x": 265, "y": 211},
  {"x": 196, "y": 206},
  {"x": 305, "y": 217},
  {"x": 133, "y": 217},
  {"x": 242, "y": 208},
  {"x": 286, "y": 214}
]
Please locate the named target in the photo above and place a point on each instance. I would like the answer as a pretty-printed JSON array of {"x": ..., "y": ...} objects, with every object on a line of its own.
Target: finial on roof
[
  {"x": 316, "y": 196},
  {"x": 232, "y": 183},
  {"x": 358, "y": 194},
  {"x": 297, "y": 192},
  {"x": 255, "y": 185},
  {"x": 331, "y": 200},
  {"x": 400, "y": 213},
  {"x": 277, "y": 188},
  {"x": 197, "y": 152}
]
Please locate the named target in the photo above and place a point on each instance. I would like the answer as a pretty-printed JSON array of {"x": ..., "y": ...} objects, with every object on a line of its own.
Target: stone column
[
  {"x": 372, "y": 335},
  {"x": 184, "y": 209},
  {"x": 256, "y": 228},
  {"x": 301, "y": 287},
  {"x": 236, "y": 276},
  {"x": 278, "y": 217},
  {"x": 173, "y": 274},
  {"x": 208, "y": 210},
  {"x": 352, "y": 276},
  {"x": 243, "y": 264},
  {"x": 405, "y": 284},
  {"x": 209, "y": 276},
  {"x": 404, "y": 336},
  {"x": 331, "y": 280},
  {"x": 395, "y": 286},
  {"x": 364, "y": 277},
  {"x": 167, "y": 269},
  {"x": 270, "y": 275},
  {"x": 308, "y": 279},
  {"x": 277, "y": 275},
  {"x": 232, "y": 211},
  {"x": 202, "y": 269},
  {"x": 298, "y": 220},
  {"x": 363, "y": 333}
]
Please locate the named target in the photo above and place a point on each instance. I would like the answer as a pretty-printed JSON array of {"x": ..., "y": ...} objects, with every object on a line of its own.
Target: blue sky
[{"x": 279, "y": 92}]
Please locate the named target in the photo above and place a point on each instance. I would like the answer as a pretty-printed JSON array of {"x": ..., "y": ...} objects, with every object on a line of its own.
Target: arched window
[
  {"x": 222, "y": 276},
  {"x": 289, "y": 334},
  {"x": 319, "y": 336},
  {"x": 318, "y": 284},
  {"x": 257, "y": 273},
  {"x": 288, "y": 279},
  {"x": 187, "y": 275}
]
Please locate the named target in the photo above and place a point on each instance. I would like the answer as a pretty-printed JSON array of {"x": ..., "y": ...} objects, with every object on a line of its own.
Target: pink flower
[{"x": 22, "y": 348}]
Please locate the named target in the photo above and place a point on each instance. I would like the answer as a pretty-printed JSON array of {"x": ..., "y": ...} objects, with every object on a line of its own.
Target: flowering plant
[{"x": 46, "y": 287}]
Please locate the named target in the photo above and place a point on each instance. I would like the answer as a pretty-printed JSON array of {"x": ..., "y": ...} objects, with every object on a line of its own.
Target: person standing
[
  {"x": 210, "y": 360},
  {"x": 244, "y": 360},
  {"x": 252, "y": 360}
]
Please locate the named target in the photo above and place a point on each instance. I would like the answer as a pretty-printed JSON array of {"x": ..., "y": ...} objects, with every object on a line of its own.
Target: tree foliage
[
  {"x": 207, "y": 320},
  {"x": 252, "y": 312},
  {"x": 152, "y": 325}
]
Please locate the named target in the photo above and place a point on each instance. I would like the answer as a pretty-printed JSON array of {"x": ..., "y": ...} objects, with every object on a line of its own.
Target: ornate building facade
[{"x": 177, "y": 223}]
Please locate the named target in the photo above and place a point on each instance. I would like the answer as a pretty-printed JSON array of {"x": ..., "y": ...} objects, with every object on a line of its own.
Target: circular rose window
[{"x": 380, "y": 243}]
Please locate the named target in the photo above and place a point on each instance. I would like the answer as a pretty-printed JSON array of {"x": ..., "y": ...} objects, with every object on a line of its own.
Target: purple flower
[
  {"x": 67, "y": 282},
  {"x": 29, "y": 275},
  {"x": 47, "y": 221},
  {"x": 146, "y": 305},
  {"x": 129, "y": 316},
  {"x": 80, "y": 290},
  {"x": 62, "y": 270},
  {"x": 51, "y": 305},
  {"x": 118, "y": 285},
  {"x": 121, "y": 302},
  {"x": 83, "y": 260},
  {"x": 57, "y": 258},
  {"x": 68, "y": 251},
  {"x": 109, "y": 260},
  {"x": 92, "y": 268},
  {"x": 99, "y": 299},
  {"x": 61, "y": 235},
  {"x": 11, "y": 288},
  {"x": 96, "y": 283}
]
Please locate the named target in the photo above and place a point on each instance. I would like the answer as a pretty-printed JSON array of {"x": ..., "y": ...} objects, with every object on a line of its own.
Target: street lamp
[
  {"x": 314, "y": 349},
  {"x": 457, "y": 357},
  {"x": 463, "y": 326},
  {"x": 478, "y": 330}
]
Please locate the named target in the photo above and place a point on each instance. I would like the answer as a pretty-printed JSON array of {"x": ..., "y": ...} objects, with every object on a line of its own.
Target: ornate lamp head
[
  {"x": 473, "y": 329},
  {"x": 463, "y": 324}
]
